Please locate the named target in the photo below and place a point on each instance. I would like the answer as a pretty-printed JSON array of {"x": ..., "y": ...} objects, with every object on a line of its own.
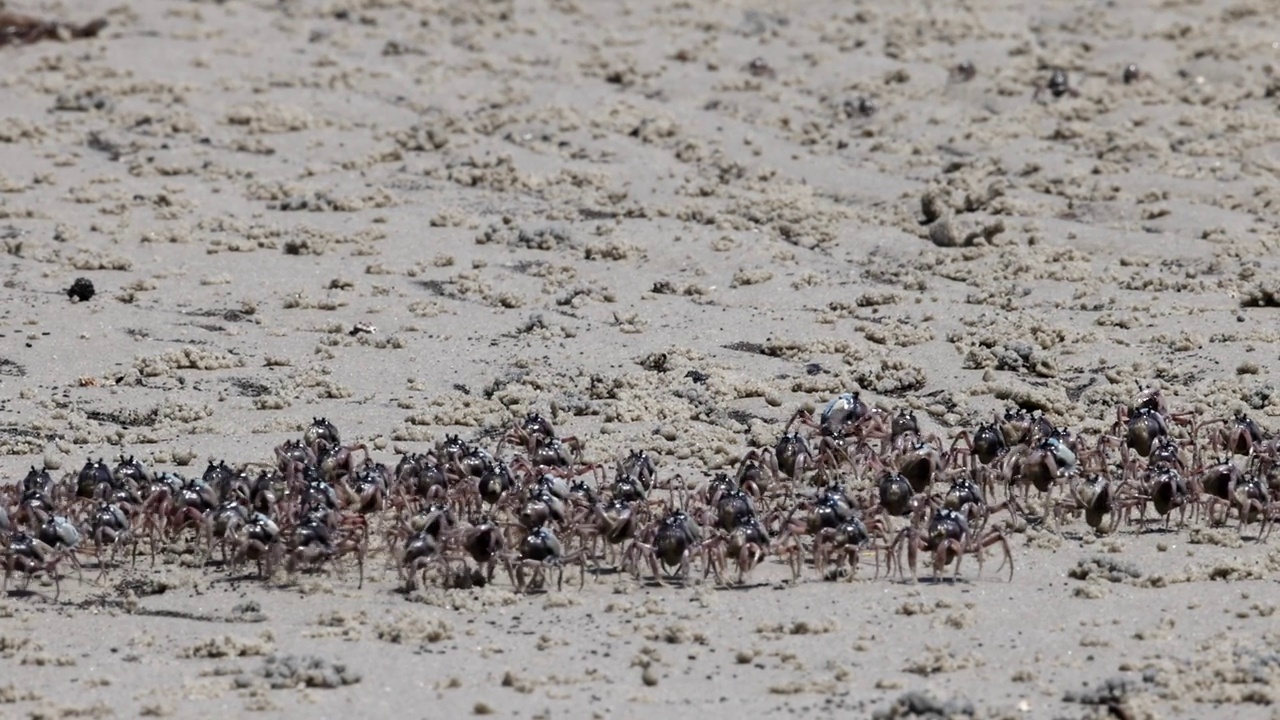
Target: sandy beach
[{"x": 663, "y": 226}]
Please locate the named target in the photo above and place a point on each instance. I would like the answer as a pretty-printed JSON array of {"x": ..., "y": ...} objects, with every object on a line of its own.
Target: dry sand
[{"x": 666, "y": 225}]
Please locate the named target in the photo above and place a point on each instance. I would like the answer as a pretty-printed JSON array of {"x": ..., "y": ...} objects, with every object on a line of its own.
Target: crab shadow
[{"x": 25, "y": 593}]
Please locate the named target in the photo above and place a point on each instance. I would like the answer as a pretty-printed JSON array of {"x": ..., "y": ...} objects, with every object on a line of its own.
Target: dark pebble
[{"x": 81, "y": 289}]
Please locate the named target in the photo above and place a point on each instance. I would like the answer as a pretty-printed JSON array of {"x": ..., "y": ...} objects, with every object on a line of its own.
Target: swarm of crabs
[{"x": 855, "y": 486}]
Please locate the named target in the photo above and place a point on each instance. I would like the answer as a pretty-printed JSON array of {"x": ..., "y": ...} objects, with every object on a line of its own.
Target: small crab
[
  {"x": 484, "y": 542},
  {"x": 842, "y": 414},
  {"x": 320, "y": 434},
  {"x": 747, "y": 543},
  {"x": 420, "y": 553},
  {"x": 636, "y": 469},
  {"x": 1042, "y": 465},
  {"x": 948, "y": 537},
  {"x": 529, "y": 431},
  {"x": 919, "y": 462},
  {"x": 129, "y": 471},
  {"x": 556, "y": 452},
  {"x": 732, "y": 508},
  {"x": 904, "y": 424},
  {"x": 896, "y": 494},
  {"x": 615, "y": 522},
  {"x": 845, "y": 543},
  {"x": 1020, "y": 427},
  {"x": 962, "y": 72},
  {"x": 1166, "y": 489},
  {"x": 1057, "y": 85},
  {"x": 1143, "y": 429},
  {"x": 1095, "y": 496},
  {"x": 673, "y": 543},
  {"x": 1238, "y": 435},
  {"x": 495, "y": 483},
  {"x": 30, "y": 556},
  {"x": 223, "y": 524},
  {"x": 760, "y": 68},
  {"x": 1217, "y": 484},
  {"x": 258, "y": 540},
  {"x": 324, "y": 536},
  {"x": 755, "y": 473},
  {"x": 791, "y": 455},
  {"x": 62, "y": 536},
  {"x": 987, "y": 443},
  {"x": 366, "y": 490},
  {"x": 1253, "y": 500},
  {"x": 862, "y": 106},
  {"x": 539, "y": 550},
  {"x": 95, "y": 480}
]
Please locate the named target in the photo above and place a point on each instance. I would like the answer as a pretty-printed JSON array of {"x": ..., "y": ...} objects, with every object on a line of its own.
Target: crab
[
  {"x": 222, "y": 524},
  {"x": 62, "y": 536},
  {"x": 293, "y": 453},
  {"x": 437, "y": 520},
  {"x": 420, "y": 553},
  {"x": 790, "y": 456},
  {"x": 484, "y": 542},
  {"x": 1057, "y": 85},
  {"x": 1216, "y": 484},
  {"x": 324, "y": 536},
  {"x": 897, "y": 496},
  {"x": 747, "y": 543},
  {"x": 93, "y": 478},
  {"x": 366, "y": 490},
  {"x": 844, "y": 543},
  {"x": 1144, "y": 426},
  {"x": 267, "y": 490},
  {"x": 962, "y": 72},
  {"x": 904, "y": 425},
  {"x": 673, "y": 542},
  {"x": 948, "y": 538},
  {"x": 731, "y": 509},
  {"x": 986, "y": 444},
  {"x": 538, "y": 551},
  {"x": 614, "y": 522},
  {"x": 1019, "y": 427},
  {"x": 919, "y": 462},
  {"x": 556, "y": 452},
  {"x": 636, "y": 469},
  {"x": 30, "y": 556},
  {"x": 1166, "y": 489},
  {"x": 1093, "y": 495},
  {"x": 35, "y": 506},
  {"x": 131, "y": 473},
  {"x": 842, "y": 414},
  {"x": 1041, "y": 466},
  {"x": 475, "y": 462},
  {"x": 760, "y": 68},
  {"x": 422, "y": 475},
  {"x": 1238, "y": 435},
  {"x": 258, "y": 539},
  {"x": 494, "y": 484},
  {"x": 338, "y": 462},
  {"x": 320, "y": 435},
  {"x": 540, "y": 508},
  {"x": 755, "y": 474},
  {"x": 37, "y": 480},
  {"x": 528, "y": 431},
  {"x": 1253, "y": 501}
]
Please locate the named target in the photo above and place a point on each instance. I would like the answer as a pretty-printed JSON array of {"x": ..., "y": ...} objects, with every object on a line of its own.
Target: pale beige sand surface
[{"x": 664, "y": 225}]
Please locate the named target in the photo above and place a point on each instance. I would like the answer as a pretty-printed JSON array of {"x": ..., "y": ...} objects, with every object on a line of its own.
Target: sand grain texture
[{"x": 664, "y": 225}]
